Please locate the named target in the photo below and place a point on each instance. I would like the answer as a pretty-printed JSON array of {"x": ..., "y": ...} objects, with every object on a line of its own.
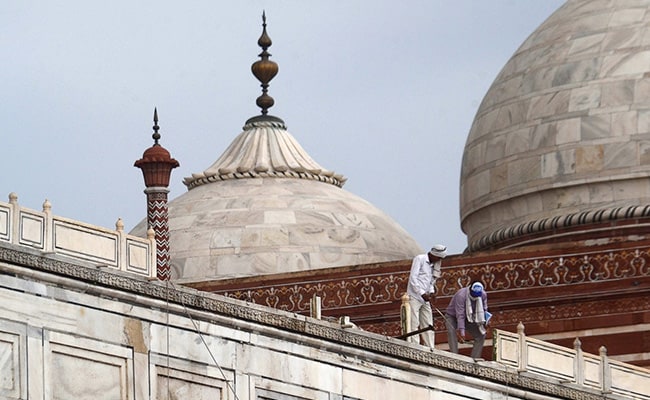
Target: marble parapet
[{"x": 52, "y": 234}]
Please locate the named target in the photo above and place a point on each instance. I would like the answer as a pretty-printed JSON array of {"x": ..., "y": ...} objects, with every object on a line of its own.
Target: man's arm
[
  {"x": 413, "y": 275},
  {"x": 459, "y": 307}
]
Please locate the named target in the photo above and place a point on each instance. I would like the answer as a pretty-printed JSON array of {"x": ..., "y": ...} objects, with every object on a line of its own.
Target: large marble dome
[
  {"x": 561, "y": 141},
  {"x": 266, "y": 207}
]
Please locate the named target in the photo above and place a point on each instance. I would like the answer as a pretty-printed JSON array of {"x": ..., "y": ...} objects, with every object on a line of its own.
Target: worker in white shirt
[{"x": 425, "y": 270}]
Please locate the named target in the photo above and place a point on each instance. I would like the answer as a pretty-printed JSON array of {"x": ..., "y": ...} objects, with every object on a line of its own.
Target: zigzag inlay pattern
[{"x": 158, "y": 220}]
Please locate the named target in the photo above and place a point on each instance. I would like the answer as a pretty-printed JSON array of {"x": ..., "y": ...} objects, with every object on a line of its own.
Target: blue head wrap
[{"x": 476, "y": 289}]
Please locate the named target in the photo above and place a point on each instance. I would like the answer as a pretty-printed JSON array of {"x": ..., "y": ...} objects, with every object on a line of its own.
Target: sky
[{"x": 383, "y": 92}]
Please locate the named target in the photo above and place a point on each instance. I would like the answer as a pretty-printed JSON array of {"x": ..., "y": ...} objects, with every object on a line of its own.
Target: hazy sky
[{"x": 383, "y": 92}]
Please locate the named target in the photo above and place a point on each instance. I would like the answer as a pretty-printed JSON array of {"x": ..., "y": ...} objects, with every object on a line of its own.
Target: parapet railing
[
  {"x": 53, "y": 234},
  {"x": 571, "y": 366}
]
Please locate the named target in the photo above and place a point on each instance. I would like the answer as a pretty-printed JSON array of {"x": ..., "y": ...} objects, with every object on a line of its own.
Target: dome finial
[
  {"x": 264, "y": 70},
  {"x": 156, "y": 135}
]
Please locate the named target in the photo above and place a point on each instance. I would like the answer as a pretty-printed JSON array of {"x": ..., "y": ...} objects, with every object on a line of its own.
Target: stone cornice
[{"x": 548, "y": 226}]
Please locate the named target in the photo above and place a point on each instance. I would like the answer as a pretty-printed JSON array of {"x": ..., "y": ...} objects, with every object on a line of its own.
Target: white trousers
[{"x": 421, "y": 317}]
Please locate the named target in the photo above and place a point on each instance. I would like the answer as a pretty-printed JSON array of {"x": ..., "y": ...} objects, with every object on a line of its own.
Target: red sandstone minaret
[{"x": 156, "y": 165}]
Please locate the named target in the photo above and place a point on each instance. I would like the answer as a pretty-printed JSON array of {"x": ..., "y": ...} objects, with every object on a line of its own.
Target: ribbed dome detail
[{"x": 264, "y": 149}]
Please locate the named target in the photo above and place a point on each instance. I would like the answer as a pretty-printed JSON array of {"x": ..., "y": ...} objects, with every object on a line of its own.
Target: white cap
[{"x": 439, "y": 251}]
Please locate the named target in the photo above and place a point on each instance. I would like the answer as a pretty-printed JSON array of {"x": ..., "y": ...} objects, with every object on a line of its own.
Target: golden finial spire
[{"x": 264, "y": 69}]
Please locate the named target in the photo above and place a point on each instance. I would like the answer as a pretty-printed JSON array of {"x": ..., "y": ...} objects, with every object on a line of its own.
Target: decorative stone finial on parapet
[
  {"x": 47, "y": 206},
  {"x": 264, "y": 69},
  {"x": 156, "y": 162},
  {"x": 577, "y": 344},
  {"x": 520, "y": 328}
]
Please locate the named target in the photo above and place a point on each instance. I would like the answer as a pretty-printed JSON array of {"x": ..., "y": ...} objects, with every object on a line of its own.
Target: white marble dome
[
  {"x": 562, "y": 137},
  {"x": 266, "y": 207}
]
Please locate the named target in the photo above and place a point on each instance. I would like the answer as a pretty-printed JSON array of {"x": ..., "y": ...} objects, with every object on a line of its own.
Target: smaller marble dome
[
  {"x": 561, "y": 140},
  {"x": 266, "y": 207}
]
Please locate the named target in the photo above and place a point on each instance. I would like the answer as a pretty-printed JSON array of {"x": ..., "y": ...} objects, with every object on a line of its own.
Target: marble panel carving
[
  {"x": 90, "y": 244},
  {"x": 81, "y": 368},
  {"x": 174, "y": 378},
  {"x": 138, "y": 257},
  {"x": 550, "y": 360},
  {"x": 286, "y": 367},
  {"x": 32, "y": 230},
  {"x": 629, "y": 381},
  {"x": 13, "y": 366},
  {"x": 364, "y": 386},
  {"x": 593, "y": 371},
  {"x": 507, "y": 349},
  {"x": 5, "y": 224}
]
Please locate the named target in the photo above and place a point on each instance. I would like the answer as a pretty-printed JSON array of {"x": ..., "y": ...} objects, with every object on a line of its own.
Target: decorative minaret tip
[
  {"x": 156, "y": 135},
  {"x": 156, "y": 165},
  {"x": 264, "y": 70}
]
